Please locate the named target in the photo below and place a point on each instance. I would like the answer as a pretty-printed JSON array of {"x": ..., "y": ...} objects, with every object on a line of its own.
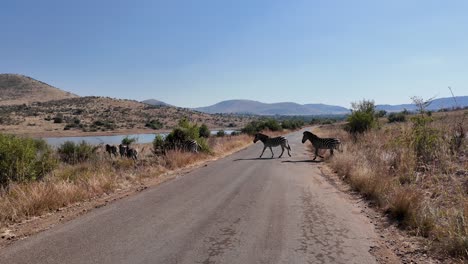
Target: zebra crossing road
[{"x": 239, "y": 209}]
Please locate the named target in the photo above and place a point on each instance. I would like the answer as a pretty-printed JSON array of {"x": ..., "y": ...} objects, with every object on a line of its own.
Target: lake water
[{"x": 112, "y": 140}]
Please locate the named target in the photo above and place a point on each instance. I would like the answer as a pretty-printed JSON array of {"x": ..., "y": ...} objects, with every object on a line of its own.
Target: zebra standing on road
[
  {"x": 321, "y": 143},
  {"x": 269, "y": 142}
]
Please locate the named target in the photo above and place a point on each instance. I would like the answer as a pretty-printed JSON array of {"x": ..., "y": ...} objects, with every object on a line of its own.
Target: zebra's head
[
  {"x": 256, "y": 138},
  {"x": 259, "y": 136},
  {"x": 307, "y": 135},
  {"x": 304, "y": 137}
]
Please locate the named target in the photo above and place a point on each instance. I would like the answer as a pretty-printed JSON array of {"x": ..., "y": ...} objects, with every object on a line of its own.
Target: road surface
[{"x": 235, "y": 210}]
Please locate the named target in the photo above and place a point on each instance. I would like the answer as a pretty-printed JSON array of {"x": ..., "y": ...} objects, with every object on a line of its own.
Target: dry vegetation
[
  {"x": 418, "y": 175},
  {"x": 102, "y": 175},
  {"x": 77, "y": 116},
  {"x": 20, "y": 89}
]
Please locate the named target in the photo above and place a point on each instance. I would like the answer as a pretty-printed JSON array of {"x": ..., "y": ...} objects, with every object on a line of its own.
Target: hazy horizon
[{"x": 195, "y": 54}]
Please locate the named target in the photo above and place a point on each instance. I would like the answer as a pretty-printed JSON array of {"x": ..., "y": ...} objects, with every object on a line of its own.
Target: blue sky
[{"x": 197, "y": 53}]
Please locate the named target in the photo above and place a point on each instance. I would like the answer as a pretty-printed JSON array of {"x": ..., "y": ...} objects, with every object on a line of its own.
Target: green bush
[
  {"x": 154, "y": 124},
  {"x": 396, "y": 117},
  {"x": 158, "y": 144},
  {"x": 235, "y": 133},
  {"x": 257, "y": 126},
  {"x": 204, "y": 132},
  {"x": 362, "y": 117},
  {"x": 381, "y": 113},
  {"x": 128, "y": 140},
  {"x": 292, "y": 124},
  {"x": 424, "y": 140},
  {"x": 58, "y": 119},
  {"x": 186, "y": 131},
  {"x": 73, "y": 153},
  {"x": 221, "y": 133},
  {"x": 24, "y": 159}
]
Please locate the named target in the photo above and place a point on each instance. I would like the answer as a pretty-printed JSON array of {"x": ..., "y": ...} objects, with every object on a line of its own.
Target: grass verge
[{"x": 414, "y": 175}]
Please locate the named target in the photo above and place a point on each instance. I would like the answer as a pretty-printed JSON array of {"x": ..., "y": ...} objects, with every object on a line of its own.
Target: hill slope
[
  {"x": 259, "y": 108},
  {"x": 20, "y": 89},
  {"x": 73, "y": 116},
  {"x": 155, "y": 102}
]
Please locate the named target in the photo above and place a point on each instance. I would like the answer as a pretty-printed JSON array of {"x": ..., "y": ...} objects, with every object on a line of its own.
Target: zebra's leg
[
  {"x": 272, "y": 155},
  {"x": 282, "y": 151},
  {"x": 263, "y": 151},
  {"x": 316, "y": 153},
  {"x": 331, "y": 152},
  {"x": 289, "y": 148}
]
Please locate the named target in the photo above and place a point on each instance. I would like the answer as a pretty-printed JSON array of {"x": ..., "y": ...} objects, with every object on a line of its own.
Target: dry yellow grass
[
  {"x": 426, "y": 195},
  {"x": 70, "y": 184}
]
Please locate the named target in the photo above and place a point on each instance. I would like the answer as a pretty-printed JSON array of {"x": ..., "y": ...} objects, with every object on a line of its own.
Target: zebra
[
  {"x": 321, "y": 143},
  {"x": 128, "y": 152},
  {"x": 111, "y": 149},
  {"x": 132, "y": 153},
  {"x": 189, "y": 145},
  {"x": 123, "y": 150},
  {"x": 269, "y": 142}
]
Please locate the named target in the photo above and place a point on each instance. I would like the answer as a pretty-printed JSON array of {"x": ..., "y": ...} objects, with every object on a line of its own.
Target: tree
[
  {"x": 362, "y": 117},
  {"x": 204, "y": 131}
]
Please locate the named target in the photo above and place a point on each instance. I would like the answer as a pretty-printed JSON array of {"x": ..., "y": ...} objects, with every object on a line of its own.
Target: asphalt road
[{"x": 235, "y": 210}]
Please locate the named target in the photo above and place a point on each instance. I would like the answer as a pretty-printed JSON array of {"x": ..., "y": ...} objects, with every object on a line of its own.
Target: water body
[{"x": 113, "y": 140}]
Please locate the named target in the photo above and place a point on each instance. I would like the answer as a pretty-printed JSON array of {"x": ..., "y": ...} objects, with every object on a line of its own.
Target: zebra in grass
[
  {"x": 269, "y": 142},
  {"x": 321, "y": 143},
  {"x": 128, "y": 152},
  {"x": 189, "y": 145},
  {"x": 112, "y": 150}
]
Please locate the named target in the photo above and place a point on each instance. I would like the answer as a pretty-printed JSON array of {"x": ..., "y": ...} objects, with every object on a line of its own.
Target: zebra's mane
[
  {"x": 310, "y": 134},
  {"x": 261, "y": 136}
]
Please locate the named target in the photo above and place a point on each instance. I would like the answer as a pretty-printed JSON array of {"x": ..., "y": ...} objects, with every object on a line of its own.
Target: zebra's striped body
[
  {"x": 190, "y": 145},
  {"x": 321, "y": 143},
  {"x": 269, "y": 142},
  {"x": 112, "y": 150}
]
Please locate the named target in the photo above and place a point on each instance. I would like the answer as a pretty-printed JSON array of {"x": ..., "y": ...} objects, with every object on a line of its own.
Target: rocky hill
[
  {"x": 102, "y": 115},
  {"x": 20, "y": 89}
]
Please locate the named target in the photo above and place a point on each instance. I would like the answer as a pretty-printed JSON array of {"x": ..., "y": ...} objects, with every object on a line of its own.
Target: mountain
[
  {"x": 447, "y": 102},
  {"x": 155, "y": 102},
  {"x": 284, "y": 108},
  {"x": 20, "y": 89}
]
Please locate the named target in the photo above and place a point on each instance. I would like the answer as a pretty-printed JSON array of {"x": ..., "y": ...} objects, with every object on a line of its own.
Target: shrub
[
  {"x": 154, "y": 124},
  {"x": 235, "y": 133},
  {"x": 58, "y": 119},
  {"x": 396, "y": 117},
  {"x": 158, "y": 144},
  {"x": 186, "y": 131},
  {"x": 204, "y": 132},
  {"x": 72, "y": 153},
  {"x": 24, "y": 159},
  {"x": 129, "y": 140},
  {"x": 381, "y": 113},
  {"x": 424, "y": 140},
  {"x": 220, "y": 133},
  {"x": 257, "y": 126},
  {"x": 362, "y": 117},
  {"x": 292, "y": 124}
]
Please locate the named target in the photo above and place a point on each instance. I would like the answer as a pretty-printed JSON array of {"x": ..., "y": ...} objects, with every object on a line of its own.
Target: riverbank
[{"x": 46, "y": 133}]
